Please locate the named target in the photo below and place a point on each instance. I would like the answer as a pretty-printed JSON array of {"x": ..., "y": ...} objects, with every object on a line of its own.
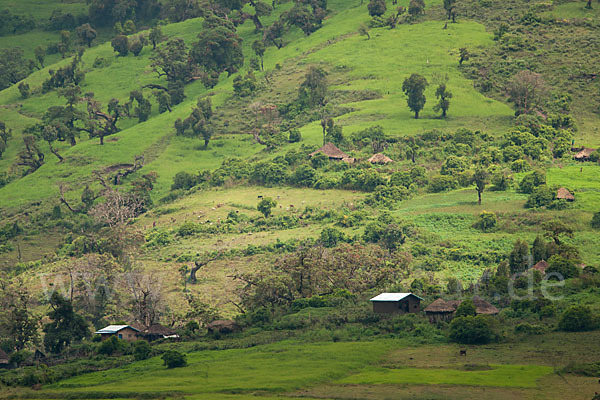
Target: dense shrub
[
  {"x": 563, "y": 266},
  {"x": 111, "y": 345},
  {"x": 442, "y": 183},
  {"x": 486, "y": 221},
  {"x": 174, "y": 359},
  {"x": 141, "y": 350},
  {"x": 466, "y": 309},
  {"x": 596, "y": 220},
  {"x": 183, "y": 180},
  {"x": 472, "y": 330},
  {"x": 531, "y": 181},
  {"x": 576, "y": 319},
  {"x": 541, "y": 196}
]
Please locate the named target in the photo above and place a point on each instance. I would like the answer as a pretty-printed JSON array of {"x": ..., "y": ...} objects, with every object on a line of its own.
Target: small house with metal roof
[
  {"x": 125, "y": 332},
  {"x": 396, "y": 303}
]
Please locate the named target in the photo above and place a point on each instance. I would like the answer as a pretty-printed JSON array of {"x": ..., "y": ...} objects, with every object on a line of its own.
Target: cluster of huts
[
  {"x": 439, "y": 310},
  {"x": 334, "y": 153}
]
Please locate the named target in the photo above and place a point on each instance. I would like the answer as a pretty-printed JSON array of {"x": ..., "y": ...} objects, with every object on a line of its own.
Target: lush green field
[{"x": 348, "y": 371}]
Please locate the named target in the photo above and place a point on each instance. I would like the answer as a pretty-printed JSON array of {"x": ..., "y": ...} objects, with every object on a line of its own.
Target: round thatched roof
[
  {"x": 440, "y": 306},
  {"x": 380, "y": 158},
  {"x": 331, "y": 151},
  {"x": 563, "y": 193}
]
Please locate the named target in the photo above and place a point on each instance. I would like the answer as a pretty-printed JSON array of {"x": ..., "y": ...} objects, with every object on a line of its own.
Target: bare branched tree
[{"x": 147, "y": 302}]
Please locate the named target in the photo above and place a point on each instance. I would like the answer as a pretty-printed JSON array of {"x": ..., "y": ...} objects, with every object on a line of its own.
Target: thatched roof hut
[
  {"x": 158, "y": 331},
  {"x": 584, "y": 154},
  {"x": 440, "y": 306},
  {"x": 331, "y": 151},
  {"x": 563, "y": 193},
  {"x": 380, "y": 158},
  {"x": 540, "y": 266},
  {"x": 440, "y": 310},
  {"x": 222, "y": 326},
  {"x": 483, "y": 307}
]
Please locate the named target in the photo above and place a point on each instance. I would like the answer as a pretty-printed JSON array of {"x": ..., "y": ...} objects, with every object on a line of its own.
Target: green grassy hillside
[{"x": 297, "y": 277}]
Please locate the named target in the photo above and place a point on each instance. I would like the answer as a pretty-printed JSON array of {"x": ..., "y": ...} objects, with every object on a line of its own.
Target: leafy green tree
[
  {"x": 481, "y": 179},
  {"x": 65, "y": 43},
  {"x": 217, "y": 50},
  {"x": 294, "y": 136},
  {"x": 301, "y": 17},
  {"x": 416, "y": 7},
  {"x": 518, "y": 259},
  {"x": 313, "y": 90},
  {"x": 556, "y": 230},
  {"x": 31, "y": 155},
  {"x": 13, "y": 67},
  {"x": 466, "y": 309},
  {"x": 444, "y": 97},
  {"x": 265, "y": 206},
  {"x": 463, "y": 55},
  {"x": 183, "y": 180},
  {"x": 24, "y": 89},
  {"x": 20, "y": 322},
  {"x": 363, "y": 30},
  {"x": 330, "y": 237},
  {"x": 40, "y": 54},
  {"x": 5, "y": 135},
  {"x": 120, "y": 44},
  {"x": 156, "y": 36},
  {"x": 563, "y": 266},
  {"x": 531, "y": 181},
  {"x": 539, "y": 250},
  {"x": 258, "y": 46},
  {"x": 576, "y": 319},
  {"x": 449, "y": 7},
  {"x": 274, "y": 34},
  {"x": 542, "y": 196},
  {"x": 376, "y": 8},
  {"x": 414, "y": 87},
  {"x": 136, "y": 47},
  {"x": 86, "y": 34},
  {"x": 129, "y": 27},
  {"x": 472, "y": 330},
  {"x": 174, "y": 359},
  {"x": 65, "y": 327}
]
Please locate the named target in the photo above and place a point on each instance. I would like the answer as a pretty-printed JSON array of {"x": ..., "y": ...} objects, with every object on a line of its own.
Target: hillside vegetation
[{"x": 159, "y": 163}]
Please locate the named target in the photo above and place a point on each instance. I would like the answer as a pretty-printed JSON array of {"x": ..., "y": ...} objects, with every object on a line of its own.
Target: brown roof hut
[
  {"x": 441, "y": 310},
  {"x": 380, "y": 158},
  {"x": 563, "y": 193},
  {"x": 222, "y": 326},
  {"x": 331, "y": 151},
  {"x": 158, "y": 331},
  {"x": 483, "y": 307},
  {"x": 584, "y": 154},
  {"x": 540, "y": 266}
]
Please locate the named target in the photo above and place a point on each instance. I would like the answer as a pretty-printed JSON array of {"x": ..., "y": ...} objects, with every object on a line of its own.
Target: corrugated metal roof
[
  {"x": 393, "y": 296},
  {"x": 115, "y": 328}
]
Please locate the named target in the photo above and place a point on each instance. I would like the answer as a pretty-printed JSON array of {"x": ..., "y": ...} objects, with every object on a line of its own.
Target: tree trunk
[
  {"x": 479, "y": 196},
  {"x": 416, "y": 115},
  {"x": 55, "y": 152},
  {"x": 101, "y": 140}
]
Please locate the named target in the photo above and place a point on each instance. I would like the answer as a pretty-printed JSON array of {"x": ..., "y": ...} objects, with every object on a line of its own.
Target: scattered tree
[
  {"x": 481, "y": 179},
  {"x": 527, "y": 90},
  {"x": 414, "y": 87},
  {"x": 86, "y": 34},
  {"x": 120, "y": 44},
  {"x": 65, "y": 327},
  {"x": 265, "y": 206},
  {"x": 313, "y": 90},
  {"x": 444, "y": 97},
  {"x": 376, "y": 8},
  {"x": 156, "y": 36},
  {"x": 174, "y": 359},
  {"x": 416, "y": 7}
]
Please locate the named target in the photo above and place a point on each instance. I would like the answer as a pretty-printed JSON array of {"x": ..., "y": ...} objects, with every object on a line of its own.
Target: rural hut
[
  {"x": 380, "y": 158},
  {"x": 331, "y": 151},
  {"x": 125, "y": 332},
  {"x": 540, "y": 266},
  {"x": 440, "y": 310},
  {"x": 4, "y": 363},
  {"x": 396, "y": 303},
  {"x": 222, "y": 326},
  {"x": 483, "y": 307},
  {"x": 563, "y": 193},
  {"x": 584, "y": 154},
  {"x": 158, "y": 331}
]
